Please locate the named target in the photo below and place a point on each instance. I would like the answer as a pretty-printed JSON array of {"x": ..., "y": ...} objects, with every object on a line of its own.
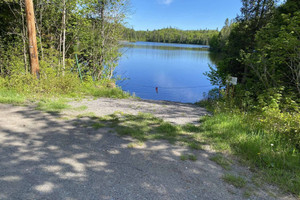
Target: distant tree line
[{"x": 171, "y": 35}]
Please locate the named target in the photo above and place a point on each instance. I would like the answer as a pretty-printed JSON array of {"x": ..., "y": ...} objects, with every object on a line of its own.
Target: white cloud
[{"x": 166, "y": 2}]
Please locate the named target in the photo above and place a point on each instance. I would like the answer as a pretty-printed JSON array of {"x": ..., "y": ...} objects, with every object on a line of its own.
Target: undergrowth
[
  {"x": 264, "y": 132},
  {"x": 236, "y": 181},
  {"x": 238, "y": 133},
  {"x": 19, "y": 88}
]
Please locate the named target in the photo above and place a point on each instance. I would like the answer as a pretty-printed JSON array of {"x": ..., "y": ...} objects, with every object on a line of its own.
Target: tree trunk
[
  {"x": 24, "y": 38},
  {"x": 33, "y": 52},
  {"x": 40, "y": 28},
  {"x": 64, "y": 39},
  {"x": 102, "y": 33}
]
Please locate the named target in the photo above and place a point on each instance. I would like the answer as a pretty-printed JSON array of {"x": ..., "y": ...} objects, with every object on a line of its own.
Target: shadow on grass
[{"x": 145, "y": 126}]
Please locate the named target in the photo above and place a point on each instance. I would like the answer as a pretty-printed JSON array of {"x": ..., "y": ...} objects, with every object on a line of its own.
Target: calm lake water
[{"x": 175, "y": 69}]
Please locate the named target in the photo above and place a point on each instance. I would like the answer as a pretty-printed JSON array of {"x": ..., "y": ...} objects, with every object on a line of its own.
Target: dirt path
[{"x": 45, "y": 157}]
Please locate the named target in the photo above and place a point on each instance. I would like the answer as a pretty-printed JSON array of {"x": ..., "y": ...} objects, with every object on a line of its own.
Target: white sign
[{"x": 232, "y": 80}]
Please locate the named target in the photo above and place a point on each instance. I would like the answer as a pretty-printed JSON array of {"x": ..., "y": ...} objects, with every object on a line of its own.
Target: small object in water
[{"x": 156, "y": 89}]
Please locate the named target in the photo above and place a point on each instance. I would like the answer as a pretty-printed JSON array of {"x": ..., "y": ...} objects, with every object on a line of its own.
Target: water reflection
[
  {"x": 165, "y": 46},
  {"x": 215, "y": 58},
  {"x": 176, "y": 71},
  {"x": 165, "y": 52}
]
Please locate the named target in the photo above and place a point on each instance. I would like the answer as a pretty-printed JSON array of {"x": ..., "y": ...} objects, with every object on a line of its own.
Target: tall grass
[
  {"x": 243, "y": 135},
  {"x": 20, "y": 87},
  {"x": 11, "y": 96}
]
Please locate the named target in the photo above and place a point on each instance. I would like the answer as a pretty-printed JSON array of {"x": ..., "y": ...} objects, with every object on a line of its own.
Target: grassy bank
[
  {"x": 271, "y": 156},
  {"x": 25, "y": 88}
]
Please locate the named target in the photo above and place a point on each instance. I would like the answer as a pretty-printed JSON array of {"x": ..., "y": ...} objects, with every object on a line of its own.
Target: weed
[
  {"x": 167, "y": 128},
  {"x": 236, "y": 181},
  {"x": 223, "y": 162},
  {"x": 247, "y": 194},
  {"x": 89, "y": 114},
  {"x": 192, "y": 157},
  {"x": 185, "y": 157},
  {"x": 195, "y": 145},
  {"x": 98, "y": 125},
  {"x": 80, "y": 108},
  {"x": 191, "y": 128}
]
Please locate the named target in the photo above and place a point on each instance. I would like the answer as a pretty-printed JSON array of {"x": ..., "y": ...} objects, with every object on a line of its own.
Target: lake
[{"x": 175, "y": 70}]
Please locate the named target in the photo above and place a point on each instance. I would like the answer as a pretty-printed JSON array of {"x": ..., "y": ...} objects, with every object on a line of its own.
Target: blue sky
[{"x": 182, "y": 14}]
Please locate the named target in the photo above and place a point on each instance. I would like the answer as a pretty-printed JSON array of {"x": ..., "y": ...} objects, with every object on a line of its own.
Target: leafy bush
[
  {"x": 17, "y": 86},
  {"x": 264, "y": 129}
]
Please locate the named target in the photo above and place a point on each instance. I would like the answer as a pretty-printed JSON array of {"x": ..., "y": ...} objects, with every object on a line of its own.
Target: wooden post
[{"x": 33, "y": 53}]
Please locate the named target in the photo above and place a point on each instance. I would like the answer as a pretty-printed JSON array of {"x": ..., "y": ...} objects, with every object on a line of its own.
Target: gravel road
[{"x": 43, "y": 156}]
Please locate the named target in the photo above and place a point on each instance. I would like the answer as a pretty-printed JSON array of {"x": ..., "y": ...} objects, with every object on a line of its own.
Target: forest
[
  {"x": 170, "y": 35},
  {"x": 87, "y": 29},
  {"x": 261, "y": 47},
  {"x": 259, "y": 116}
]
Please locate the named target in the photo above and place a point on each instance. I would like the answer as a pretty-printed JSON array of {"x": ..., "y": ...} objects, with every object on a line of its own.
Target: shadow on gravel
[
  {"x": 44, "y": 157},
  {"x": 174, "y": 112}
]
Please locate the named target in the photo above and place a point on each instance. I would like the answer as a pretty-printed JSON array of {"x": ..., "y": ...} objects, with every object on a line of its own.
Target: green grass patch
[
  {"x": 223, "y": 162},
  {"x": 236, "y": 181},
  {"x": 247, "y": 194},
  {"x": 98, "y": 125},
  {"x": 195, "y": 145},
  {"x": 106, "y": 92},
  {"x": 88, "y": 114},
  {"x": 276, "y": 159},
  {"x": 18, "y": 88},
  {"x": 192, "y": 128},
  {"x": 80, "y": 108},
  {"x": 54, "y": 106},
  {"x": 185, "y": 157},
  {"x": 11, "y": 97}
]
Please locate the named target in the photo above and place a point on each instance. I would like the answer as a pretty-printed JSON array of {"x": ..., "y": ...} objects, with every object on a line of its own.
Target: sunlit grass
[
  {"x": 185, "y": 157},
  {"x": 135, "y": 144},
  {"x": 50, "y": 105},
  {"x": 11, "y": 97},
  {"x": 220, "y": 160},
  {"x": 80, "y": 108},
  {"x": 236, "y": 181},
  {"x": 237, "y": 134}
]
